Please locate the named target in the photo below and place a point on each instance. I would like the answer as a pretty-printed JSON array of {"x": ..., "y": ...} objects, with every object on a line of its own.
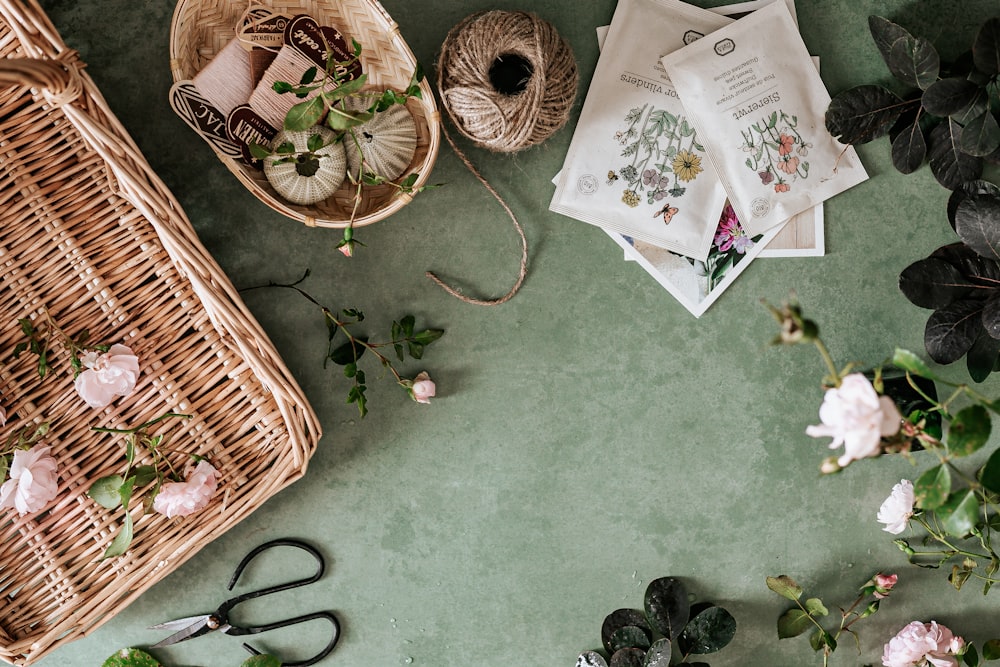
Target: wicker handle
[{"x": 58, "y": 80}]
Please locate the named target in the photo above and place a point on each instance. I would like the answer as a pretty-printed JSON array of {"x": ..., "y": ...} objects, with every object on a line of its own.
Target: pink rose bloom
[
  {"x": 32, "y": 482},
  {"x": 347, "y": 250},
  {"x": 884, "y": 584},
  {"x": 113, "y": 373},
  {"x": 423, "y": 388},
  {"x": 921, "y": 644},
  {"x": 855, "y": 416},
  {"x": 897, "y": 509},
  {"x": 189, "y": 496}
]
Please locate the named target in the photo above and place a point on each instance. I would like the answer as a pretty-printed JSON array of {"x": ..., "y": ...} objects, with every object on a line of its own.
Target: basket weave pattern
[
  {"x": 201, "y": 28},
  {"x": 91, "y": 236}
]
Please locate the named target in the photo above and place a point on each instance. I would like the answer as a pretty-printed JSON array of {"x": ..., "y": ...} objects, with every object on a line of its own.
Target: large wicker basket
[
  {"x": 201, "y": 28},
  {"x": 89, "y": 234}
]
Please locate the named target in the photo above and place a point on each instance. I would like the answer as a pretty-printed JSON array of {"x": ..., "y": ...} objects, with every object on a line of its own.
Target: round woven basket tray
[{"x": 201, "y": 28}]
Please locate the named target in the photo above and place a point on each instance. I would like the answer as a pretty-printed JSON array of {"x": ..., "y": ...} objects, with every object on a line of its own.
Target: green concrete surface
[{"x": 589, "y": 435}]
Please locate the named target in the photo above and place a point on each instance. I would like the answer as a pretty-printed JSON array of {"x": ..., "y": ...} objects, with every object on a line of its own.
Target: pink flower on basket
[
  {"x": 113, "y": 373},
  {"x": 855, "y": 416},
  {"x": 189, "y": 496},
  {"x": 897, "y": 509},
  {"x": 922, "y": 644},
  {"x": 32, "y": 482},
  {"x": 423, "y": 388}
]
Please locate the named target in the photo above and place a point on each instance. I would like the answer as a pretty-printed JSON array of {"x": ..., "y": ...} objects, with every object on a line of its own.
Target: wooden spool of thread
[
  {"x": 225, "y": 81},
  {"x": 288, "y": 66},
  {"x": 507, "y": 81}
]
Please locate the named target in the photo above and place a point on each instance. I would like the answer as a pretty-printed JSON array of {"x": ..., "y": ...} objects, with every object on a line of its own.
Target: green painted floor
[{"x": 589, "y": 435}]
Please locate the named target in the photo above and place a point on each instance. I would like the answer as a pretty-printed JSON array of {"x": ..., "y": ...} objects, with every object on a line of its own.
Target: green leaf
[
  {"x": 991, "y": 650},
  {"x": 911, "y": 363},
  {"x": 131, "y": 657},
  {"x": 622, "y": 618},
  {"x": 428, "y": 336},
  {"x": 122, "y": 540},
  {"x": 969, "y": 430},
  {"x": 793, "y": 623},
  {"x": 106, "y": 491},
  {"x": 415, "y": 349},
  {"x": 914, "y": 61},
  {"x": 259, "y": 152},
  {"x": 971, "y": 656},
  {"x": 262, "y": 660},
  {"x": 308, "y": 76},
  {"x": 285, "y": 148},
  {"x": 708, "y": 632},
  {"x": 958, "y": 515},
  {"x": 347, "y": 88},
  {"x": 340, "y": 120},
  {"x": 348, "y": 353},
  {"x": 816, "y": 608},
  {"x": 785, "y": 586},
  {"x": 986, "y": 48},
  {"x": 666, "y": 604},
  {"x": 350, "y": 370},
  {"x": 282, "y": 87},
  {"x": 990, "y": 476},
  {"x": 304, "y": 115},
  {"x": 315, "y": 142},
  {"x": 863, "y": 113},
  {"x": 932, "y": 487},
  {"x": 407, "y": 324}
]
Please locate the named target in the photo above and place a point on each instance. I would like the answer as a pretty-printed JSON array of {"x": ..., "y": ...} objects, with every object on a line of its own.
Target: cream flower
[
  {"x": 855, "y": 416},
  {"x": 189, "y": 496},
  {"x": 33, "y": 480},
  {"x": 921, "y": 644},
  {"x": 897, "y": 509},
  {"x": 113, "y": 373},
  {"x": 423, "y": 388}
]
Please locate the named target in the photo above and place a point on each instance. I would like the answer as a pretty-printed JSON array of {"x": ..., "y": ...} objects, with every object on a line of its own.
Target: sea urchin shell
[
  {"x": 312, "y": 176},
  {"x": 386, "y": 142}
]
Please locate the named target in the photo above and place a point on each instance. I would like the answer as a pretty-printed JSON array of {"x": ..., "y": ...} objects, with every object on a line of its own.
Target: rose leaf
[{"x": 932, "y": 487}]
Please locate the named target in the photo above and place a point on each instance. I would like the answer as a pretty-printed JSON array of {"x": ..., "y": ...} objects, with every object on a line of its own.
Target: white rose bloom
[{"x": 855, "y": 416}]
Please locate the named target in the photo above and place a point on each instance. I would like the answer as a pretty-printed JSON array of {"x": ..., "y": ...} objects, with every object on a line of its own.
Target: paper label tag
[
  {"x": 304, "y": 34},
  {"x": 263, "y": 27},
  {"x": 245, "y": 126},
  {"x": 202, "y": 117}
]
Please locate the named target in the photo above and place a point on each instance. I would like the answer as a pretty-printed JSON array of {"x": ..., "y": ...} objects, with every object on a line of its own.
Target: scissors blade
[{"x": 192, "y": 626}]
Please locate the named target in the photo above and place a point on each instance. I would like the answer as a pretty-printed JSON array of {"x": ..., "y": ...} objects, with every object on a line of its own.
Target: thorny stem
[{"x": 828, "y": 360}]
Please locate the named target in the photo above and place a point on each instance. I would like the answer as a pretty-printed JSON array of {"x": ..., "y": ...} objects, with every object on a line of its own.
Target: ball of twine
[{"x": 498, "y": 114}]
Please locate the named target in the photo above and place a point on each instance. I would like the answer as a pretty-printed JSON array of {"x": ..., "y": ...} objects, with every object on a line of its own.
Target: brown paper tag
[
  {"x": 262, "y": 27},
  {"x": 202, "y": 117},
  {"x": 244, "y": 127}
]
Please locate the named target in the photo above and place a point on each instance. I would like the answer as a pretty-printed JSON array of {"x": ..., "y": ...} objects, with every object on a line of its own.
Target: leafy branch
[
  {"x": 115, "y": 491},
  {"x": 345, "y": 348},
  {"x": 38, "y": 342}
]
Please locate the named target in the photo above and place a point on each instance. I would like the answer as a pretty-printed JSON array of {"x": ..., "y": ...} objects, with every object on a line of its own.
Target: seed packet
[
  {"x": 636, "y": 164},
  {"x": 758, "y": 104}
]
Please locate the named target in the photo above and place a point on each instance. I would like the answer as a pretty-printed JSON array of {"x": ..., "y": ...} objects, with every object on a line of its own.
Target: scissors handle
[
  {"x": 226, "y": 606},
  {"x": 252, "y": 630}
]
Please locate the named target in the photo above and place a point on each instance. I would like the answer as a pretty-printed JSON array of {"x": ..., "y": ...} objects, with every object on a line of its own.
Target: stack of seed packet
[{"x": 702, "y": 145}]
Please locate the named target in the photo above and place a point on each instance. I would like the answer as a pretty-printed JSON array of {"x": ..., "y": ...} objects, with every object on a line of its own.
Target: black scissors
[{"x": 196, "y": 626}]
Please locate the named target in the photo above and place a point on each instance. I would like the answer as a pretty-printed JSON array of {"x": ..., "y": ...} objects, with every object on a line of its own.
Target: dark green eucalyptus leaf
[
  {"x": 630, "y": 636},
  {"x": 621, "y": 618},
  {"x": 952, "y": 330},
  {"x": 658, "y": 654},
  {"x": 628, "y": 657},
  {"x": 666, "y": 604},
  {"x": 591, "y": 659},
  {"x": 977, "y": 223},
  {"x": 976, "y": 268},
  {"x": 991, "y": 315},
  {"x": 958, "y": 515},
  {"x": 949, "y": 164},
  {"x": 981, "y": 135},
  {"x": 909, "y": 148},
  {"x": 950, "y": 96},
  {"x": 982, "y": 357},
  {"x": 304, "y": 115},
  {"x": 933, "y": 283},
  {"x": 793, "y": 623},
  {"x": 105, "y": 491},
  {"x": 932, "y": 487},
  {"x": 986, "y": 48},
  {"x": 969, "y": 188},
  {"x": 348, "y": 353},
  {"x": 708, "y": 632},
  {"x": 886, "y": 33},
  {"x": 131, "y": 657},
  {"x": 863, "y": 113},
  {"x": 914, "y": 61},
  {"x": 990, "y": 475},
  {"x": 969, "y": 430}
]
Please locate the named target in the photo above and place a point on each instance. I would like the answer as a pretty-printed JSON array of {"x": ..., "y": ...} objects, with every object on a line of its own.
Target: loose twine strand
[{"x": 493, "y": 119}]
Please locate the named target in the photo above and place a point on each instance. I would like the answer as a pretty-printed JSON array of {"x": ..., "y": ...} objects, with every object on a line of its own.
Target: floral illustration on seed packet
[
  {"x": 663, "y": 152},
  {"x": 777, "y": 151},
  {"x": 729, "y": 246}
]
